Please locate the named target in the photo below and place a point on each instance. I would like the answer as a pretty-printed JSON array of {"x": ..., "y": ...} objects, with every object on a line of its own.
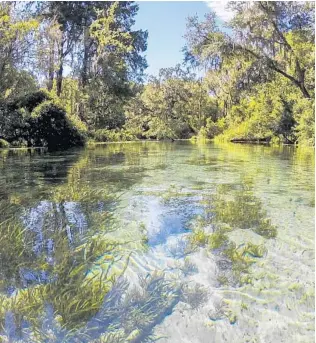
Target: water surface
[{"x": 147, "y": 241}]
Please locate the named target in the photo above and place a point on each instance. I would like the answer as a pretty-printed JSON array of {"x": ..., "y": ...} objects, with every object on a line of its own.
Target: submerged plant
[
  {"x": 194, "y": 295},
  {"x": 174, "y": 192},
  {"x": 198, "y": 238},
  {"x": 229, "y": 209}
]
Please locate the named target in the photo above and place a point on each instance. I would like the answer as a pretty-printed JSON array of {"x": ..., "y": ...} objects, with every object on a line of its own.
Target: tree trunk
[
  {"x": 84, "y": 71},
  {"x": 51, "y": 67},
  {"x": 59, "y": 75},
  {"x": 304, "y": 91},
  {"x": 301, "y": 78},
  {"x": 86, "y": 44}
]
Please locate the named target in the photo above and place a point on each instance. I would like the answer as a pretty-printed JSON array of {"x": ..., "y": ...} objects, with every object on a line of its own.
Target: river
[{"x": 157, "y": 241}]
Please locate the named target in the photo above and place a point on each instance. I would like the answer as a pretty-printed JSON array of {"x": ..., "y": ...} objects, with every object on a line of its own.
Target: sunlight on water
[{"x": 176, "y": 242}]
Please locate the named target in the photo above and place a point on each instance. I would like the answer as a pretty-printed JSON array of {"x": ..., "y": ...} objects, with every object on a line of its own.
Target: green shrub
[
  {"x": 50, "y": 126},
  {"x": 4, "y": 143},
  {"x": 119, "y": 135},
  {"x": 12, "y": 123},
  {"x": 19, "y": 143},
  {"x": 32, "y": 100},
  {"x": 198, "y": 238},
  {"x": 36, "y": 120},
  {"x": 304, "y": 111},
  {"x": 214, "y": 128}
]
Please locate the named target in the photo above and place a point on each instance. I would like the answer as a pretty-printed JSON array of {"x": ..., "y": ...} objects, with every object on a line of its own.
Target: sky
[{"x": 166, "y": 25}]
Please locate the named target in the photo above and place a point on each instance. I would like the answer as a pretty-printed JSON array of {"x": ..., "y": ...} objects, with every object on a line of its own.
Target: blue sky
[{"x": 166, "y": 25}]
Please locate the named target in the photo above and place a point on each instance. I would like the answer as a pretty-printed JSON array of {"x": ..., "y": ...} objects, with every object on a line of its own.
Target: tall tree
[
  {"x": 16, "y": 35},
  {"x": 272, "y": 34}
]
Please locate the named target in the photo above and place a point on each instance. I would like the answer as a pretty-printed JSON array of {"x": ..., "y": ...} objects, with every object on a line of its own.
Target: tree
[
  {"x": 15, "y": 37},
  {"x": 272, "y": 34},
  {"x": 258, "y": 69},
  {"x": 174, "y": 105}
]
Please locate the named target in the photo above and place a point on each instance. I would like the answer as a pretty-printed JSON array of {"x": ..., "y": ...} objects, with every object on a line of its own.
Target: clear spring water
[{"x": 96, "y": 244}]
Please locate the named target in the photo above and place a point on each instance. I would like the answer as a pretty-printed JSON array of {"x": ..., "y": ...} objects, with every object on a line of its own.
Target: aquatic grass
[
  {"x": 77, "y": 293},
  {"x": 194, "y": 295},
  {"x": 239, "y": 209},
  {"x": 81, "y": 271},
  {"x": 266, "y": 229},
  {"x": 16, "y": 252},
  {"x": 198, "y": 238},
  {"x": 232, "y": 207},
  {"x": 254, "y": 250},
  {"x": 221, "y": 311},
  {"x": 188, "y": 267},
  {"x": 217, "y": 240},
  {"x": 79, "y": 192},
  {"x": 174, "y": 192}
]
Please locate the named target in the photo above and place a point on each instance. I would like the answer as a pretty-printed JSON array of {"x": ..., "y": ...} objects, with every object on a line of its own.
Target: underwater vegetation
[
  {"x": 229, "y": 209},
  {"x": 64, "y": 280},
  {"x": 71, "y": 272}
]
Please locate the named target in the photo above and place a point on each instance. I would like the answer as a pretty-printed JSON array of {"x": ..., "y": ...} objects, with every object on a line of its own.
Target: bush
[
  {"x": 36, "y": 120},
  {"x": 214, "y": 128},
  {"x": 105, "y": 135},
  {"x": 51, "y": 127},
  {"x": 12, "y": 123},
  {"x": 304, "y": 111},
  {"x": 19, "y": 143},
  {"x": 32, "y": 100},
  {"x": 4, "y": 143}
]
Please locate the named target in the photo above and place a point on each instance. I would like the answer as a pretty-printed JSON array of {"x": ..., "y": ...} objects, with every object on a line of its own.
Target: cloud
[{"x": 219, "y": 7}]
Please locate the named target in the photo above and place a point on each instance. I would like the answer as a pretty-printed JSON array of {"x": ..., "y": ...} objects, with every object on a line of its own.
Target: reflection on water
[{"x": 140, "y": 242}]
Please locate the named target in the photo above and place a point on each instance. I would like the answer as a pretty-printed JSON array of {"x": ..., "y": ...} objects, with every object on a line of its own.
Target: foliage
[
  {"x": 175, "y": 105},
  {"x": 4, "y": 143},
  {"x": 258, "y": 83},
  {"x": 15, "y": 37},
  {"x": 259, "y": 70},
  {"x": 40, "y": 122},
  {"x": 51, "y": 126},
  {"x": 304, "y": 113},
  {"x": 118, "y": 135}
]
